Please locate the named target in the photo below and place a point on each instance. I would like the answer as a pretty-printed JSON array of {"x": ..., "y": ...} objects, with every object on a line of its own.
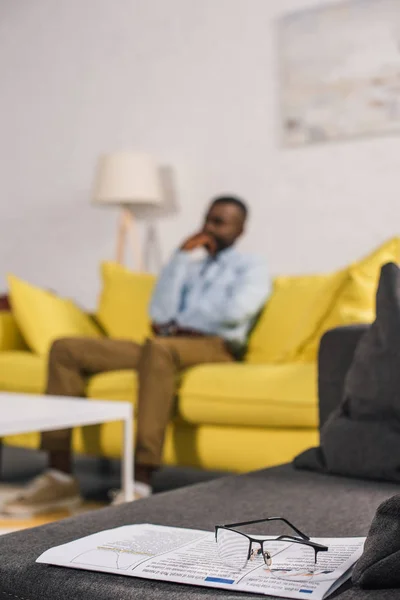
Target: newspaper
[{"x": 190, "y": 556}]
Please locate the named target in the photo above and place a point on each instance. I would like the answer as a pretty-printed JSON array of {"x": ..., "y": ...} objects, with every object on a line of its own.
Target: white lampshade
[{"x": 127, "y": 178}]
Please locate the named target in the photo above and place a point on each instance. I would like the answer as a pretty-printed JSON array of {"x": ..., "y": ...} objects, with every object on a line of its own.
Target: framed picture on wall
[{"x": 340, "y": 71}]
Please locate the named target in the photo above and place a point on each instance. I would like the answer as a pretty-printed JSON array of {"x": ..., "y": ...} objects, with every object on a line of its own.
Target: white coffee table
[{"x": 24, "y": 413}]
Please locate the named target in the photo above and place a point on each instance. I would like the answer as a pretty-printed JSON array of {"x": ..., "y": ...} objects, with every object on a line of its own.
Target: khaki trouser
[{"x": 157, "y": 363}]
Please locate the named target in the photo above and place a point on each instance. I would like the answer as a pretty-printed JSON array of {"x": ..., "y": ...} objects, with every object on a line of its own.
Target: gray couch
[{"x": 320, "y": 505}]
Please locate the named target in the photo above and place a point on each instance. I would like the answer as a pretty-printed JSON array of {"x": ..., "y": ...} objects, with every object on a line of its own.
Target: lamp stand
[{"x": 127, "y": 227}]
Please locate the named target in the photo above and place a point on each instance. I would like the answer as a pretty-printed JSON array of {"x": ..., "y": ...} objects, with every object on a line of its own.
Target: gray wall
[{"x": 194, "y": 82}]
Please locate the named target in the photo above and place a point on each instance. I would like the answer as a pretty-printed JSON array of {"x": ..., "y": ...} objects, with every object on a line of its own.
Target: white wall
[{"x": 195, "y": 83}]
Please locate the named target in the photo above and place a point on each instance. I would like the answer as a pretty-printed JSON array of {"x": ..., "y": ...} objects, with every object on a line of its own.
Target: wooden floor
[
  {"x": 95, "y": 478},
  {"x": 11, "y": 523}
]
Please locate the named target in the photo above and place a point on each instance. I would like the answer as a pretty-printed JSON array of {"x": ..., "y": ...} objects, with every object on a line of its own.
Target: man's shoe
[
  {"x": 141, "y": 491},
  {"x": 49, "y": 492}
]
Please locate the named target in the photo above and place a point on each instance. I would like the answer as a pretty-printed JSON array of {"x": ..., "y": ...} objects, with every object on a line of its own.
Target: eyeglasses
[{"x": 297, "y": 564}]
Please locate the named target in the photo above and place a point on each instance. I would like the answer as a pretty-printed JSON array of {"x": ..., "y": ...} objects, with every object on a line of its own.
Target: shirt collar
[{"x": 226, "y": 255}]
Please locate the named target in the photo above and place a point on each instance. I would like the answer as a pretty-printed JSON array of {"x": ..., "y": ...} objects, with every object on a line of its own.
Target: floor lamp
[{"x": 129, "y": 180}]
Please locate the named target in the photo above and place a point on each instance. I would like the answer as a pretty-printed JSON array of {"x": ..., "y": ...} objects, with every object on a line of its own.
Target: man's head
[{"x": 225, "y": 220}]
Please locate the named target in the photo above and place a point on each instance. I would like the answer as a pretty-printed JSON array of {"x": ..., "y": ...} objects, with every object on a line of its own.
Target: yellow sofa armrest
[{"x": 10, "y": 336}]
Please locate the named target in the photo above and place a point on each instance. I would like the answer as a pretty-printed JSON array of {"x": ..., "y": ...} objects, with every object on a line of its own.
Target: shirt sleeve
[
  {"x": 164, "y": 305},
  {"x": 235, "y": 305}
]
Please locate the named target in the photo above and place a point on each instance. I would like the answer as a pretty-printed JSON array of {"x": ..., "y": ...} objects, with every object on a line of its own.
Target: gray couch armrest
[{"x": 336, "y": 354}]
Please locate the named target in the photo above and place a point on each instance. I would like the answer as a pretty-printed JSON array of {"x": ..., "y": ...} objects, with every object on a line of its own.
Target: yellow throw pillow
[
  {"x": 291, "y": 316},
  {"x": 356, "y": 301},
  {"x": 124, "y": 301},
  {"x": 43, "y": 317},
  {"x": 370, "y": 266},
  {"x": 301, "y": 309}
]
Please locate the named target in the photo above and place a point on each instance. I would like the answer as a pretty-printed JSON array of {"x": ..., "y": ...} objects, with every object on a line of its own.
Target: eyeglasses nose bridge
[{"x": 266, "y": 556}]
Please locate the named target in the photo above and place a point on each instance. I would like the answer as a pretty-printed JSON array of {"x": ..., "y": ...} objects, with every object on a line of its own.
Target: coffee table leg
[{"x": 127, "y": 460}]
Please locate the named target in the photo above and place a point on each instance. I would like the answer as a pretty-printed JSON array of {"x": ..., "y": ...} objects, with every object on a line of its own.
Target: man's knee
[
  {"x": 159, "y": 350},
  {"x": 62, "y": 349}
]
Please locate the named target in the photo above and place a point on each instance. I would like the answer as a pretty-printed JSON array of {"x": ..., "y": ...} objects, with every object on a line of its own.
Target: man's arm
[
  {"x": 239, "y": 304},
  {"x": 166, "y": 297}
]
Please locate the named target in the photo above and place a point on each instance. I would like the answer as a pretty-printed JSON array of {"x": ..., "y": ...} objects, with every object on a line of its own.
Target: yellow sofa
[{"x": 235, "y": 417}]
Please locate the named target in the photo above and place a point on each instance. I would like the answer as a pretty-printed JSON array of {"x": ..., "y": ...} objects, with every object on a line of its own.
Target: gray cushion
[
  {"x": 378, "y": 567},
  {"x": 321, "y": 505},
  {"x": 362, "y": 437}
]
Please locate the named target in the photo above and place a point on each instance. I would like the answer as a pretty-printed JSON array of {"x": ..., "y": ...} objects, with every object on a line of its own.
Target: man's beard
[{"x": 221, "y": 244}]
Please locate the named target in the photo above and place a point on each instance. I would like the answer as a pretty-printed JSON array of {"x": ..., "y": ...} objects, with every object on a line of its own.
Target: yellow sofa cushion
[
  {"x": 250, "y": 395},
  {"x": 355, "y": 302},
  {"x": 23, "y": 372},
  {"x": 208, "y": 446},
  {"x": 115, "y": 385},
  {"x": 124, "y": 301},
  {"x": 231, "y": 394},
  {"x": 43, "y": 317},
  {"x": 291, "y": 316}
]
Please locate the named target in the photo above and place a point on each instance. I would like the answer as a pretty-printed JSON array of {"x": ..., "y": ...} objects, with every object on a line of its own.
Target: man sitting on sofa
[{"x": 203, "y": 307}]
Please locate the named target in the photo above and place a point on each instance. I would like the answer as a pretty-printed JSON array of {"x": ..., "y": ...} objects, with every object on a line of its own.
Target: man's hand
[
  {"x": 156, "y": 328},
  {"x": 164, "y": 328},
  {"x": 200, "y": 240}
]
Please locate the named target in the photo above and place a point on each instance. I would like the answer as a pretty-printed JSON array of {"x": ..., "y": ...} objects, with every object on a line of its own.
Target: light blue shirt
[{"x": 216, "y": 296}]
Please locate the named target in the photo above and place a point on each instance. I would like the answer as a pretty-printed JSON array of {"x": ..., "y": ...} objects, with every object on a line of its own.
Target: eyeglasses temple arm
[
  {"x": 300, "y": 533},
  {"x": 289, "y": 538}
]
